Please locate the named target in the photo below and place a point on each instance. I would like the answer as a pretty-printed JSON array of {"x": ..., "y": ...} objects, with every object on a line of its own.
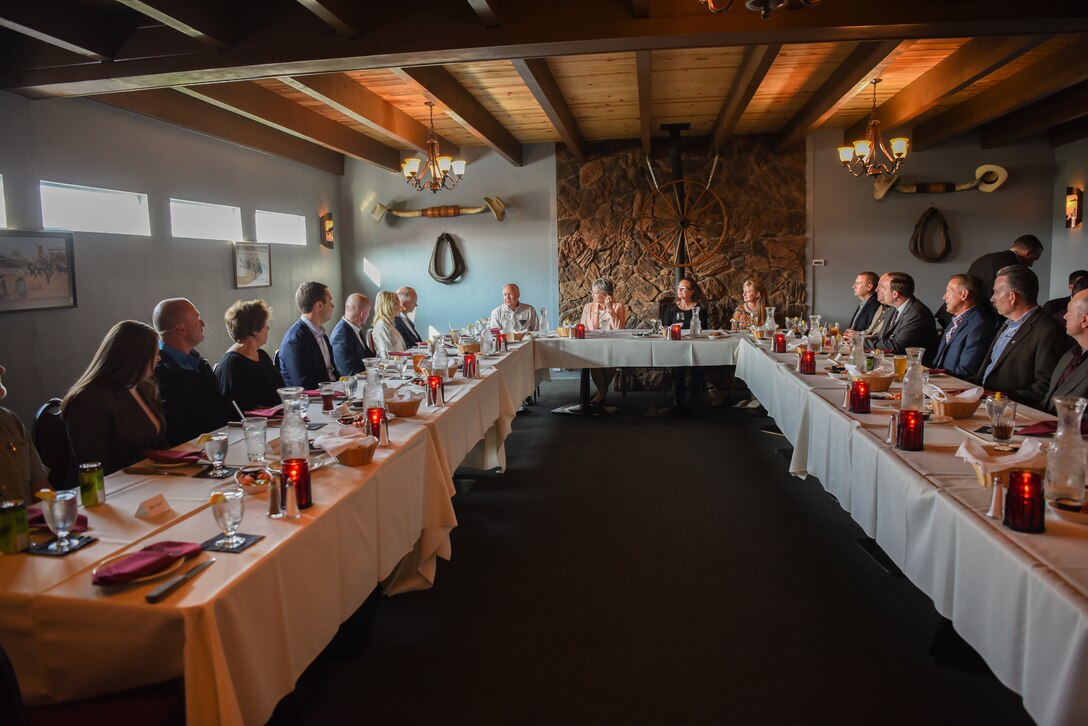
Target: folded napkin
[
  {"x": 880, "y": 372},
  {"x": 342, "y": 438},
  {"x": 1030, "y": 456},
  {"x": 399, "y": 354},
  {"x": 937, "y": 371},
  {"x": 939, "y": 394},
  {"x": 404, "y": 393},
  {"x": 174, "y": 456},
  {"x": 37, "y": 519},
  {"x": 1048, "y": 428},
  {"x": 317, "y": 394},
  {"x": 151, "y": 559},
  {"x": 273, "y": 412}
]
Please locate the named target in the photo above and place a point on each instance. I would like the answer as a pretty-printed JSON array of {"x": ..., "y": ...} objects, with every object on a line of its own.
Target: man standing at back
[
  {"x": 403, "y": 323},
  {"x": 348, "y": 344},
  {"x": 908, "y": 322},
  {"x": 188, "y": 387},
  {"x": 305, "y": 355}
]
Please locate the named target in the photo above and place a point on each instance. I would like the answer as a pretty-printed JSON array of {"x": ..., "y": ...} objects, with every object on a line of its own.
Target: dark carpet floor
[{"x": 640, "y": 570}]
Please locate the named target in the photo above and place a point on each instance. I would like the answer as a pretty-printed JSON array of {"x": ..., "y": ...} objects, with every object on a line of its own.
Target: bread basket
[
  {"x": 403, "y": 408},
  {"x": 359, "y": 454},
  {"x": 956, "y": 409},
  {"x": 876, "y": 383},
  {"x": 468, "y": 347}
]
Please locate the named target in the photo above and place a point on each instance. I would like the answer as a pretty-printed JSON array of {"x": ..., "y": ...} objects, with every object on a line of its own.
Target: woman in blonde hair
[
  {"x": 387, "y": 339},
  {"x": 753, "y": 308},
  {"x": 113, "y": 411}
]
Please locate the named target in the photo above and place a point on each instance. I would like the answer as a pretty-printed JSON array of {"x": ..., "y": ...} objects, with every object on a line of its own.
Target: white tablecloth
[{"x": 622, "y": 349}]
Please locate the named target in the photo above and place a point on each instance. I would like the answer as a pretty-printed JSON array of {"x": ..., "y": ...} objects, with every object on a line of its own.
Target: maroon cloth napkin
[
  {"x": 37, "y": 519},
  {"x": 1047, "y": 428},
  {"x": 274, "y": 412},
  {"x": 317, "y": 394},
  {"x": 399, "y": 354},
  {"x": 165, "y": 456},
  {"x": 151, "y": 559}
]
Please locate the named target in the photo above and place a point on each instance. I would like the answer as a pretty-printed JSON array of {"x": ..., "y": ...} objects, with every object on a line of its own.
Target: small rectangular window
[
  {"x": 3, "y": 205},
  {"x": 201, "y": 220},
  {"x": 89, "y": 209},
  {"x": 280, "y": 228}
]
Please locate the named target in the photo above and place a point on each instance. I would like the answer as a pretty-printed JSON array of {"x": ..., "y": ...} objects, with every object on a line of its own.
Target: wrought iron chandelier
[
  {"x": 862, "y": 157},
  {"x": 444, "y": 171},
  {"x": 763, "y": 7}
]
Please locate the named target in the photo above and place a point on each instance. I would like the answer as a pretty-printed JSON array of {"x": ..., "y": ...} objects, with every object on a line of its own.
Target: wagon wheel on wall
[{"x": 683, "y": 223}]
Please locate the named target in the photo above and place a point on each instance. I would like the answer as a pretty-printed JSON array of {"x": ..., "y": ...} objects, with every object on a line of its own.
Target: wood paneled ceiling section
[{"x": 314, "y": 80}]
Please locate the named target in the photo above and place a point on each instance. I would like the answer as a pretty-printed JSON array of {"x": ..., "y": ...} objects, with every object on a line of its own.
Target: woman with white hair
[{"x": 603, "y": 313}]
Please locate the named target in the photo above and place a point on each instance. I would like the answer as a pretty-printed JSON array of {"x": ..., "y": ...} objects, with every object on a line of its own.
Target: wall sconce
[
  {"x": 327, "y": 238},
  {"x": 1074, "y": 207}
]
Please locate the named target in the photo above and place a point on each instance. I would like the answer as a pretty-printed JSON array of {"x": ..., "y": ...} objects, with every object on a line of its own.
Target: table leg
[{"x": 584, "y": 407}]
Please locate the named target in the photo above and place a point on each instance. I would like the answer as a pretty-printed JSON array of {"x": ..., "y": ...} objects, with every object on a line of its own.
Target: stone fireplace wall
[{"x": 598, "y": 206}]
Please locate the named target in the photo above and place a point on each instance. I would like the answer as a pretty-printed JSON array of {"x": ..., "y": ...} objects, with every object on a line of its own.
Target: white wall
[
  {"x": 117, "y": 277},
  {"x": 522, "y": 249},
  {"x": 1070, "y": 245},
  {"x": 853, "y": 232}
]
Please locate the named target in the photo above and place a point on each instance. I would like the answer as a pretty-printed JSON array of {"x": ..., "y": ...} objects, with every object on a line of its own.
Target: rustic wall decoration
[{"x": 598, "y": 204}]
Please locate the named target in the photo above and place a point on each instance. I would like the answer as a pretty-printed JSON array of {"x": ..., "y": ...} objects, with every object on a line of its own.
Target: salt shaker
[
  {"x": 275, "y": 500},
  {"x": 290, "y": 508}
]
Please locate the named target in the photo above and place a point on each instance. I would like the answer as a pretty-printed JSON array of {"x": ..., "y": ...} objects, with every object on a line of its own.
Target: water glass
[
  {"x": 228, "y": 505},
  {"x": 1002, "y": 413},
  {"x": 256, "y": 431},
  {"x": 60, "y": 515},
  {"x": 216, "y": 451}
]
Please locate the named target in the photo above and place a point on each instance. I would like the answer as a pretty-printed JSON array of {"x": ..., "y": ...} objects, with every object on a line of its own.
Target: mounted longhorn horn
[
  {"x": 988, "y": 178},
  {"x": 496, "y": 206}
]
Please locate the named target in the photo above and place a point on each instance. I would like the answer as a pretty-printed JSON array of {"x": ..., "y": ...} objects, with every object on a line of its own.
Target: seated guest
[
  {"x": 512, "y": 311},
  {"x": 968, "y": 335},
  {"x": 305, "y": 353},
  {"x": 753, "y": 308},
  {"x": 405, "y": 326},
  {"x": 689, "y": 382},
  {"x": 865, "y": 291},
  {"x": 908, "y": 322},
  {"x": 246, "y": 374},
  {"x": 1070, "y": 375},
  {"x": 387, "y": 339},
  {"x": 188, "y": 388},
  {"x": 348, "y": 344},
  {"x": 113, "y": 411},
  {"x": 21, "y": 469},
  {"x": 1027, "y": 347},
  {"x": 603, "y": 313},
  {"x": 1056, "y": 307}
]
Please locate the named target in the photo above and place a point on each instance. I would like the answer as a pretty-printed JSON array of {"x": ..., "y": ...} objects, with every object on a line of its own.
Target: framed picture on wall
[
  {"x": 252, "y": 264},
  {"x": 37, "y": 271}
]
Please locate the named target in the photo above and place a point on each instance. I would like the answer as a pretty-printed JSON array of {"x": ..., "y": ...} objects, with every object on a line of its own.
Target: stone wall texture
[{"x": 598, "y": 209}]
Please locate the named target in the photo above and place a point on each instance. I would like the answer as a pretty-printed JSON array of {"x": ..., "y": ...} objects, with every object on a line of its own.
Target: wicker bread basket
[
  {"x": 359, "y": 454},
  {"x": 473, "y": 347},
  {"x": 956, "y": 409},
  {"x": 402, "y": 408},
  {"x": 877, "y": 383}
]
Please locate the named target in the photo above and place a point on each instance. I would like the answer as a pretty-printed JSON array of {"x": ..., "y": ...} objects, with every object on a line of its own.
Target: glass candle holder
[
  {"x": 500, "y": 342},
  {"x": 297, "y": 473},
  {"x": 779, "y": 342},
  {"x": 808, "y": 362},
  {"x": 470, "y": 368},
  {"x": 1024, "y": 502},
  {"x": 435, "y": 391},
  {"x": 911, "y": 431},
  {"x": 580, "y": 331},
  {"x": 375, "y": 417},
  {"x": 676, "y": 331},
  {"x": 859, "y": 397}
]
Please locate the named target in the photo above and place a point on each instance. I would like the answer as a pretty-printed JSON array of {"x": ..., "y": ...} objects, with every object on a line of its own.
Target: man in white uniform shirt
[{"x": 513, "y": 314}]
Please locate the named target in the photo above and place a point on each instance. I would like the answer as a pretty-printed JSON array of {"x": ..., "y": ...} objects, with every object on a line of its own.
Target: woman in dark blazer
[
  {"x": 113, "y": 411},
  {"x": 689, "y": 382},
  {"x": 246, "y": 373}
]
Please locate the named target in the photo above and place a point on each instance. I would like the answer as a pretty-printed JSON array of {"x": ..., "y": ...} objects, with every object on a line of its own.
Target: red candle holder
[
  {"x": 911, "y": 431},
  {"x": 436, "y": 391},
  {"x": 859, "y": 397},
  {"x": 297, "y": 472},
  {"x": 779, "y": 342},
  {"x": 580, "y": 331},
  {"x": 1024, "y": 503},
  {"x": 375, "y": 417},
  {"x": 469, "y": 369},
  {"x": 808, "y": 362},
  {"x": 676, "y": 331},
  {"x": 500, "y": 341}
]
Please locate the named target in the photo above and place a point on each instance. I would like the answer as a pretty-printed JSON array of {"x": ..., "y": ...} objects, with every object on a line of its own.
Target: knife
[{"x": 160, "y": 592}]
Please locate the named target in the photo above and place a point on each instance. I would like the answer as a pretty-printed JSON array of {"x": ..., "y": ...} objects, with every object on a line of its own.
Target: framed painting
[
  {"x": 37, "y": 271},
  {"x": 252, "y": 264}
]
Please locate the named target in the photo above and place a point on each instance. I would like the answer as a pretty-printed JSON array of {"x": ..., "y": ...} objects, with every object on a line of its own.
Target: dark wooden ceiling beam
[
  {"x": 176, "y": 108},
  {"x": 862, "y": 65},
  {"x": 753, "y": 68},
  {"x": 462, "y": 107},
  {"x": 262, "y": 105},
  {"x": 65, "y": 24},
  {"x": 645, "y": 98},
  {"x": 1069, "y": 133},
  {"x": 538, "y": 77},
  {"x": 640, "y": 8},
  {"x": 553, "y": 29},
  {"x": 343, "y": 16},
  {"x": 485, "y": 10},
  {"x": 976, "y": 59},
  {"x": 363, "y": 105},
  {"x": 1052, "y": 74},
  {"x": 1067, "y": 105},
  {"x": 198, "y": 19}
]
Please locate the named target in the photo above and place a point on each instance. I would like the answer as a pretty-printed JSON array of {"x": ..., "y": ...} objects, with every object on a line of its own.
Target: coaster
[
  {"x": 250, "y": 539},
  {"x": 42, "y": 547},
  {"x": 206, "y": 473}
]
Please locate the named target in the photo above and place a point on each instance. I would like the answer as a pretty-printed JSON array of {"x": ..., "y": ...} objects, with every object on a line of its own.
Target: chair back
[
  {"x": 276, "y": 359},
  {"x": 662, "y": 305},
  {"x": 50, "y": 436},
  {"x": 12, "y": 710},
  {"x": 370, "y": 341}
]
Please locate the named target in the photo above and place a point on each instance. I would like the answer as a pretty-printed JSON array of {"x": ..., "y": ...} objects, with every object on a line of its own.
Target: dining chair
[
  {"x": 50, "y": 436},
  {"x": 12, "y": 710}
]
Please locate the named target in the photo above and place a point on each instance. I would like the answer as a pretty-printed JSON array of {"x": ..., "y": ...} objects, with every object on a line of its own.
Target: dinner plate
[
  {"x": 1074, "y": 517},
  {"x": 935, "y": 419},
  {"x": 173, "y": 567}
]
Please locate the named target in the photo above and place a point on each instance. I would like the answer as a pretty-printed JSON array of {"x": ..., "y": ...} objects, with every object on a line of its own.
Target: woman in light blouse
[
  {"x": 387, "y": 339},
  {"x": 753, "y": 309},
  {"x": 603, "y": 313}
]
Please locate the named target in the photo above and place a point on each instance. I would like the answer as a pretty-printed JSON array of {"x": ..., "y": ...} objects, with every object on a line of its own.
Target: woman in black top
[
  {"x": 689, "y": 381},
  {"x": 246, "y": 374}
]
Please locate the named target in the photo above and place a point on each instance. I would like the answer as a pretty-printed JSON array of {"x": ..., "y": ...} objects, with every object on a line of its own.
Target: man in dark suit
[
  {"x": 908, "y": 323},
  {"x": 305, "y": 355},
  {"x": 865, "y": 291},
  {"x": 403, "y": 323},
  {"x": 348, "y": 345},
  {"x": 1056, "y": 307},
  {"x": 1022, "y": 357},
  {"x": 1024, "y": 251},
  {"x": 188, "y": 387},
  {"x": 1070, "y": 375},
  {"x": 968, "y": 335}
]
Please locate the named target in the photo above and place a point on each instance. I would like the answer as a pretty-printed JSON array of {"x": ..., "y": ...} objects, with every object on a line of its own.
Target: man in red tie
[{"x": 1070, "y": 377}]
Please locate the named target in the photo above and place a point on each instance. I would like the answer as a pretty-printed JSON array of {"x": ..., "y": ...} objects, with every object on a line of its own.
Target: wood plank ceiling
[{"x": 318, "y": 80}]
